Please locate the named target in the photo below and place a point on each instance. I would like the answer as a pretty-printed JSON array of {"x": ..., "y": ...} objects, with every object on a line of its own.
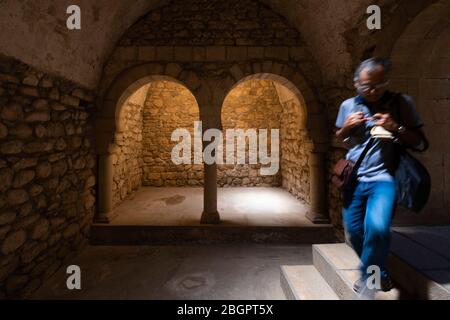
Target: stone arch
[
  {"x": 256, "y": 103},
  {"x": 286, "y": 84},
  {"x": 316, "y": 123},
  {"x": 315, "y": 117},
  {"x": 124, "y": 85},
  {"x": 108, "y": 121}
]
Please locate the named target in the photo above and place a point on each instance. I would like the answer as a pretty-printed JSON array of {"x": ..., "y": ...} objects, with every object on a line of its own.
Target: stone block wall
[
  {"x": 253, "y": 104},
  {"x": 47, "y": 174},
  {"x": 168, "y": 106},
  {"x": 295, "y": 148},
  {"x": 127, "y": 159},
  {"x": 212, "y": 22}
]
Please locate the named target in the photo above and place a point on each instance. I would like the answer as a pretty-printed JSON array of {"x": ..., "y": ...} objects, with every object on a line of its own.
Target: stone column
[
  {"x": 210, "y": 97},
  {"x": 105, "y": 189},
  {"x": 318, "y": 213},
  {"x": 210, "y": 214}
]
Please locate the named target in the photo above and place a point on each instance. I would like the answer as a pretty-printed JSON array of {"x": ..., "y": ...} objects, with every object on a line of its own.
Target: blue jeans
[{"x": 368, "y": 212}]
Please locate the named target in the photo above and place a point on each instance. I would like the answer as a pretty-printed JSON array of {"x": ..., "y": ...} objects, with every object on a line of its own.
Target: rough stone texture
[
  {"x": 334, "y": 194},
  {"x": 251, "y": 105},
  {"x": 127, "y": 160},
  {"x": 218, "y": 23},
  {"x": 168, "y": 106},
  {"x": 258, "y": 104},
  {"x": 295, "y": 148},
  {"x": 41, "y": 176}
]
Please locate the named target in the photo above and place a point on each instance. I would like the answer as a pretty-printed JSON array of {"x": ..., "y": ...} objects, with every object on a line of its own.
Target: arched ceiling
[
  {"x": 42, "y": 39},
  {"x": 35, "y": 32}
]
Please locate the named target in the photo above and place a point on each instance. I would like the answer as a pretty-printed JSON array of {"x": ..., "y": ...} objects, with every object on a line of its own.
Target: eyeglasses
[{"x": 367, "y": 87}]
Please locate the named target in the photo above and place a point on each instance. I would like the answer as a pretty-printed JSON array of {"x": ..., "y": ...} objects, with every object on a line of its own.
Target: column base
[
  {"x": 210, "y": 218},
  {"x": 105, "y": 217},
  {"x": 317, "y": 218}
]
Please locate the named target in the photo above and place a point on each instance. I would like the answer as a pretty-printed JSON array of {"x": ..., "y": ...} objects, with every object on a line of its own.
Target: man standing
[{"x": 369, "y": 205}]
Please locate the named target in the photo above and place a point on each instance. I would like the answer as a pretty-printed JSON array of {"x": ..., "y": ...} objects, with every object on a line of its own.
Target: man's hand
[
  {"x": 354, "y": 120},
  {"x": 386, "y": 121}
]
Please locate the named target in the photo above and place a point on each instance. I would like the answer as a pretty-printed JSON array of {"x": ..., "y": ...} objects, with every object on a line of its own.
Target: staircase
[{"x": 417, "y": 271}]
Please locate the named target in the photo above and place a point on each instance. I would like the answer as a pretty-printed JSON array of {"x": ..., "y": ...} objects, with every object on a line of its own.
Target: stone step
[
  {"x": 338, "y": 265},
  {"x": 305, "y": 283},
  {"x": 419, "y": 268},
  {"x": 106, "y": 234}
]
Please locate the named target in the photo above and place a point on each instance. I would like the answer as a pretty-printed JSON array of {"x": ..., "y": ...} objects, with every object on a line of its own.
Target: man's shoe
[
  {"x": 364, "y": 293},
  {"x": 386, "y": 284},
  {"x": 359, "y": 285}
]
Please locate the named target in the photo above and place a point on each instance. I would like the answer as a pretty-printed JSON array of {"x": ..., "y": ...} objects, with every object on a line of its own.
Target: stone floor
[
  {"x": 227, "y": 271},
  {"x": 178, "y": 272},
  {"x": 237, "y": 206}
]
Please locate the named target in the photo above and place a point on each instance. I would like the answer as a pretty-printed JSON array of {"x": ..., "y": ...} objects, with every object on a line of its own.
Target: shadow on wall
[{"x": 424, "y": 75}]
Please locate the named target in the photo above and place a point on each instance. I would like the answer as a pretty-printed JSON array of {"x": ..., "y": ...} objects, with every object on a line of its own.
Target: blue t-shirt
[{"x": 378, "y": 163}]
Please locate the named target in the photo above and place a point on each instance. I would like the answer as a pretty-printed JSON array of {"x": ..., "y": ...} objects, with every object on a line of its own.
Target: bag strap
[{"x": 363, "y": 154}]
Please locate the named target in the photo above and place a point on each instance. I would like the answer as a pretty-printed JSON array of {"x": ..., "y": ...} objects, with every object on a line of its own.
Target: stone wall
[
  {"x": 127, "y": 160},
  {"x": 253, "y": 104},
  {"x": 212, "y": 22},
  {"x": 334, "y": 194},
  {"x": 425, "y": 75},
  {"x": 47, "y": 174},
  {"x": 295, "y": 146},
  {"x": 168, "y": 106}
]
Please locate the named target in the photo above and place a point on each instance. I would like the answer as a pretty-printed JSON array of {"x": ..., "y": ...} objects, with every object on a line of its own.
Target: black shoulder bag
[{"x": 413, "y": 182}]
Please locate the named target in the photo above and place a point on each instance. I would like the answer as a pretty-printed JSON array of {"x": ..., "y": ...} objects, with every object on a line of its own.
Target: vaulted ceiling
[{"x": 36, "y": 33}]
